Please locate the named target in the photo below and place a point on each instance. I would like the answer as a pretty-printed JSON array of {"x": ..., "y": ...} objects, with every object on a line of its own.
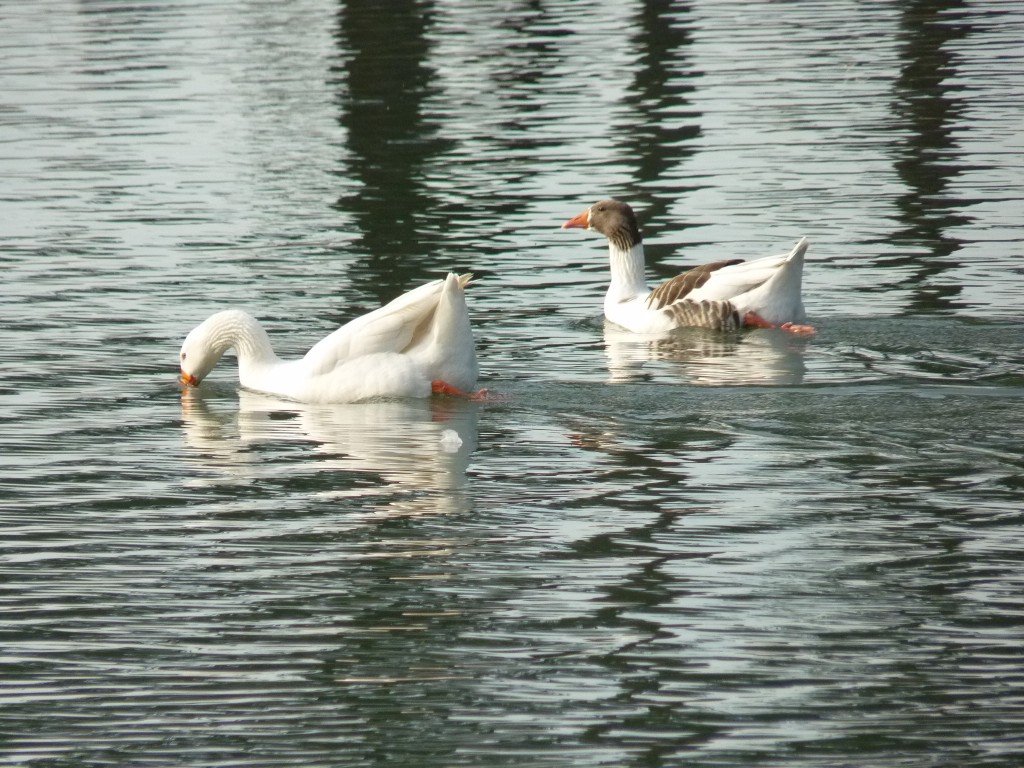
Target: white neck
[
  {"x": 627, "y": 267},
  {"x": 243, "y": 332}
]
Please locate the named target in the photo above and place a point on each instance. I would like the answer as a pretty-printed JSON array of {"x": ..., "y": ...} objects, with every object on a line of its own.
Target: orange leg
[
  {"x": 754, "y": 320},
  {"x": 444, "y": 388}
]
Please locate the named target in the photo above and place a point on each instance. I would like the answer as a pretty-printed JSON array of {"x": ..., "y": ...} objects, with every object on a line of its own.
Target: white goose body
[
  {"x": 417, "y": 344},
  {"x": 723, "y": 295}
]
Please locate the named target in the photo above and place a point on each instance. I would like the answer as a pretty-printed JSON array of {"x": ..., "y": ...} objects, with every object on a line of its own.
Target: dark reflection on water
[
  {"x": 929, "y": 160},
  {"x": 383, "y": 85},
  {"x": 661, "y": 125},
  {"x": 703, "y": 549}
]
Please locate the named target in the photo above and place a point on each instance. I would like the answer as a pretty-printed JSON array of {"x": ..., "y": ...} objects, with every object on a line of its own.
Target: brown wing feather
[
  {"x": 678, "y": 287},
  {"x": 718, "y": 315}
]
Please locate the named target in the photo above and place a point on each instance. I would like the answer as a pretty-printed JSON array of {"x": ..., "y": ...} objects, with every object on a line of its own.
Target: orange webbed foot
[
  {"x": 799, "y": 330},
  {"x": 754, "y": 320},
  {"x": 444, "y": 388}
]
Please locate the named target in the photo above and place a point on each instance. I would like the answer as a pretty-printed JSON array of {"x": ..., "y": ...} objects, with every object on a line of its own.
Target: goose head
[
  {"x": 196, "y": 358},
  {"x": 206, "y": 344},
  {"x": 612, "y": 218}
]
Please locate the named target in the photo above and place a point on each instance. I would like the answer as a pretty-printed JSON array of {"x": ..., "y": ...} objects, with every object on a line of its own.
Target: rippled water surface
[{"x": 714, "y": 550}]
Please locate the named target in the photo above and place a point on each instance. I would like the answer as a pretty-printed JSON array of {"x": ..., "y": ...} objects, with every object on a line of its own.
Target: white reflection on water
[
  {"x": 418, "y": 449},
  {"x": 697, "y": 356}
]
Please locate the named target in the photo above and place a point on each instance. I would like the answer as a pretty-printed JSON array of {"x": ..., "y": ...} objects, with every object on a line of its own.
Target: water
[{"x": 702, "y": 550}]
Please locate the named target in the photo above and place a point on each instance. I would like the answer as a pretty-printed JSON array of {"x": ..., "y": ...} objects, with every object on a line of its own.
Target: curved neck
[
  {"x": 234, "y": 328},
  {"x": 627, "y": 267}
]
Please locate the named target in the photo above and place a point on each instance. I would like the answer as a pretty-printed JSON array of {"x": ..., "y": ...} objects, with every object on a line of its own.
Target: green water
[{"x": 708, "y": 550}]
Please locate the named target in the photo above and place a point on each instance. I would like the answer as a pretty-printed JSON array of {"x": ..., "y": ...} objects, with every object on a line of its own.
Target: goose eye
[{"x": 182, "y": 355}]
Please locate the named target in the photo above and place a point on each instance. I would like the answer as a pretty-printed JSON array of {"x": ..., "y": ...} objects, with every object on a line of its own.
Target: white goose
[
  {"x": 420, "y": 343},
  {"x": 723, "y": 295}
]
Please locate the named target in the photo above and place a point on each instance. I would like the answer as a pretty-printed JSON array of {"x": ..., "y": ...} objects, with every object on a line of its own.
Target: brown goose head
[{"x": 613, "y": 219}]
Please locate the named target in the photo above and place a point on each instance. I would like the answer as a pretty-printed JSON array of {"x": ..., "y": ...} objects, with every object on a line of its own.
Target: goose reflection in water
[
  {"x": 418, "y": 450},
  {"x": 703, "y": 357}
]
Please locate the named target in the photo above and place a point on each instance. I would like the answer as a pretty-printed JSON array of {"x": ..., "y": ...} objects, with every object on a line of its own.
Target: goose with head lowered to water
[
  {"x": 418, "y": 344},
  {"x": 722, "y": 295}
]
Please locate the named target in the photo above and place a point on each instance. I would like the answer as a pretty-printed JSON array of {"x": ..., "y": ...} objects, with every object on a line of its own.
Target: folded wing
[{"x": 396, "y": 327}]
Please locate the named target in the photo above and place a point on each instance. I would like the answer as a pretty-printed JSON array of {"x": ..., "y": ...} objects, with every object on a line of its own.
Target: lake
[{"x": 704, "y": 549}]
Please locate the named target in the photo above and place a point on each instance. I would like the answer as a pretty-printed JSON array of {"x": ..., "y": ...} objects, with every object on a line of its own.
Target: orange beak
[
  {"x": 580, "y": 222},
  {"x": 188, "y": 378}
]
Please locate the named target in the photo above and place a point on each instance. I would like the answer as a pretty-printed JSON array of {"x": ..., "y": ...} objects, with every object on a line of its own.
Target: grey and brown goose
[{"x": 723, "y": 295}]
